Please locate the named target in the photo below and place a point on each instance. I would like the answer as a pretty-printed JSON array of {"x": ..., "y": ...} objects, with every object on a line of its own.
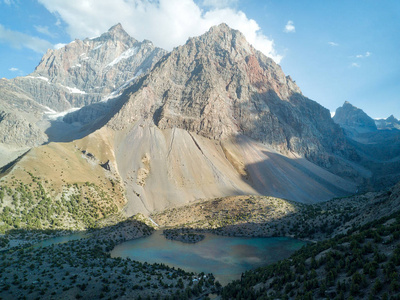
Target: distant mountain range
[
  {"x": 377, "y": 143},
  {"x": 354, "y": 119}
]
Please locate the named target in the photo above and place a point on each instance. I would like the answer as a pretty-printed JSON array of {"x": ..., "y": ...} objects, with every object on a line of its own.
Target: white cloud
[
  {"x": 13, "y": 69},
  {"x": 354, "y": 65},
  {"x": 45, "y": 30},
  {"x": 21, "y": 40},
  {"x": 219, "y": 3},
  {"x": 8, "y": 2},
  {"x": 290, "y": 27},
  {"x": 367, "y": 54},
  {"x": 167, "y": 23},
  {"x": 333, "y": 44}
]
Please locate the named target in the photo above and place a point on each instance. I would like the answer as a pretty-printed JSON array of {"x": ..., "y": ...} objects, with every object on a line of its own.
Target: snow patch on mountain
[
  {"x": 124, "y": 55},
  {"x": 73, "y": 90},
  {"x": 39, "y": 77},
  {"x": 97, "y": 47},
  {"x": 119, "y": 90},
  {"x": 52, "y": 115}
]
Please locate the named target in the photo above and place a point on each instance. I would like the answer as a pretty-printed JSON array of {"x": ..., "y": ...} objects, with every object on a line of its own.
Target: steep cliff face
[
  {"x": 88, "y": 71},
  {"x": 19, "y": 114},
  {"x": 218, "y": 86}
]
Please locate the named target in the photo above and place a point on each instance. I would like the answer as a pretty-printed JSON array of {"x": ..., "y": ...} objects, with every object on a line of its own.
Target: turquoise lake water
[
  {"x": 62, "y": 239},
  {"x": 225, "y": 257}
]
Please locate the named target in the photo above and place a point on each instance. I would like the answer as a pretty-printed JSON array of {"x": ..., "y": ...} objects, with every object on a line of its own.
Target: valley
[
  {"x": 333, "y": 228},
  {"x": 113, "y": 139}
]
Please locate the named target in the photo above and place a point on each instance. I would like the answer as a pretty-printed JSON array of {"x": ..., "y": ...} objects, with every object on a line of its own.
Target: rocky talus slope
[{"x": 17, "y": 131}]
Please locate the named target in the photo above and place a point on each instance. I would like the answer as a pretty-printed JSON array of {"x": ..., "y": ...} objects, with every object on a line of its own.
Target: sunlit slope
[{"x": 166, "y": 168}]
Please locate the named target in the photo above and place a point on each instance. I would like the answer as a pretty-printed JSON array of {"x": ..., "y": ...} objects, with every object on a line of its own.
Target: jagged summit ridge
[
  {"x": 116, "y": 32},
  {"x": 86, "y": 71},
  {"x": 76, "y": 75}
]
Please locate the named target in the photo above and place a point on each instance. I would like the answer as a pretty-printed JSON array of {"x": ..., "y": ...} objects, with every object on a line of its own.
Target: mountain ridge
[
  {"x": 214, "y": 117},
  {"x": 80, "y": 73}
]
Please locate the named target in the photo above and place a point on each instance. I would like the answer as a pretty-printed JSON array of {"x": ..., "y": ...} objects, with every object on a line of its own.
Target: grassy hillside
[
  {"x": 61, "y": 186},
  {"x": 30, "y": 206}
]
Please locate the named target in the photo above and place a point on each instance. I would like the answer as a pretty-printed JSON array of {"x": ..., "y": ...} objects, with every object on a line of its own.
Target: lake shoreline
[{"x": 225, "y": 257}]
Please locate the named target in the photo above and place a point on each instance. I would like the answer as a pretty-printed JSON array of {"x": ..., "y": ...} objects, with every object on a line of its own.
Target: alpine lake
[{"x": 226, "y": 257}]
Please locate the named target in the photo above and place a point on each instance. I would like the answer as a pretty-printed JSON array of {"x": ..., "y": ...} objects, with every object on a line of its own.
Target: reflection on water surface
[{"x": 225, "y": 257}]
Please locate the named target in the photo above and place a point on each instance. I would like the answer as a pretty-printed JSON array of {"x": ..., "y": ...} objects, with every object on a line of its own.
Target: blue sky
[{"x": 336, "y": 51}]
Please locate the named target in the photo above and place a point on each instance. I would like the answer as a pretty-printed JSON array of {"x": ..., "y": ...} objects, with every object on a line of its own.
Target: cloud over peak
[{"x": 168, "y": 23}]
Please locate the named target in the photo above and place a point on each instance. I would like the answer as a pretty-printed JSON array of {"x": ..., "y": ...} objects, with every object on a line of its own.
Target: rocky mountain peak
[
  {"x": 90, "y": 70},
  {"x": 389, "y": 123},
  {"x": 224, "y": 32},
  {"x": 353, "y": 119},
  {"x": 218, "y": 86},
  {"x": 348, "y": 104},
  {"x": 221, "y": 38},
  {"x": 116, "y": 33},
  {"x": 392, "y": 118},
  {"x": 116, "y": 28}
]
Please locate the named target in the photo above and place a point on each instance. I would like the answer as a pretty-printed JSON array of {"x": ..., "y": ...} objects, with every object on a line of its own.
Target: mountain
[
  {"x": 353, "y": 119},
  {"x": 214, "y": 117},
  {"x": 78, "y": 74},
  {"x": 84, "y": 72},
  {"x": 211, "y": 136},
  {"x": 389, "y": 123},
  {"x": 377, "y": 143},
  {"x": 218, "y": 86}
]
